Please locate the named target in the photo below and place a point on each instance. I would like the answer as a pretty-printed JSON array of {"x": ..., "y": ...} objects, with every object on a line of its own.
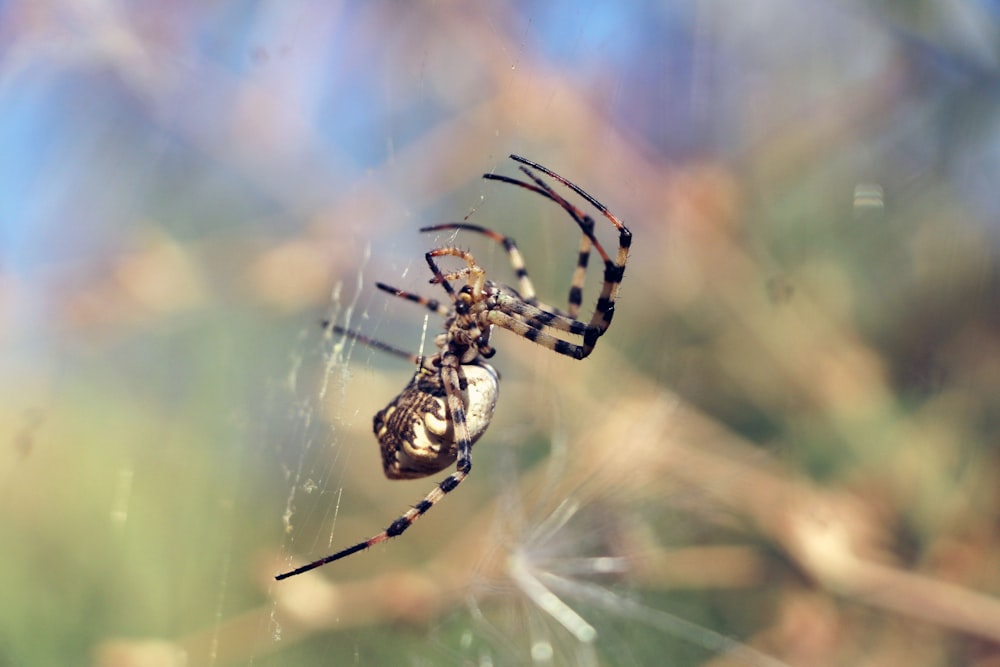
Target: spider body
[{"x": 449, "y": 402}]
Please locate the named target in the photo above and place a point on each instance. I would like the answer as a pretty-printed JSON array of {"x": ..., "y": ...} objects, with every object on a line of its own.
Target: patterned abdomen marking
[{"x": 415, "y": 432}]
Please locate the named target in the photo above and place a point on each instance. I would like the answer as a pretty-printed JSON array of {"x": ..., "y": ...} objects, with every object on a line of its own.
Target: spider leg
[
  {"x": 525, "y": 287},
  {"x": 372, "y": 343},
  {"x": 571, "y": 185},
  {"x": 586, "y": 224},
  {"x": 453, "y": 395},
  {"x": 533, "y": 333},
  {"x": 575, "y": 298},
  {"x": 476, "y": 273},
  {"x": 538, "y": 317},
  {"x": 587, "y": 242},
  {"x": 432, "y": 305},
  {"x": 613, "y": 269}
]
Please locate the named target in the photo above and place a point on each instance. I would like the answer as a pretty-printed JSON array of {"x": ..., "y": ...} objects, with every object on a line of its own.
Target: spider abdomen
[{"x": 415, "y": 431}]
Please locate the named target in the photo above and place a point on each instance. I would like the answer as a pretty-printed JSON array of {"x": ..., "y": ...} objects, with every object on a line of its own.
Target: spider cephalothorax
[{"x": 449, "y": 402}]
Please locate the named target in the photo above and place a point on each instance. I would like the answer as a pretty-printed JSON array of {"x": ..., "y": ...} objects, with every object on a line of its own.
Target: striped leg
[
  {"x": 537, "y": 317},
  {"x": 375, "y": 344},
  {"x": 463, "y": 466},
  {"x": 575, "y": 298},
  {"x": 536, "y": 335},
  {"x": 587, "y": 241},
  {"x": 525, "y": 287},
  {"x": 613, "y": 269},
  {"x": 475, "y": 272},
  {"x": 432, "y": 305}
]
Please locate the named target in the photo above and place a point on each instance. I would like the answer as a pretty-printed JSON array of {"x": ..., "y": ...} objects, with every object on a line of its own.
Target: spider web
[
  {"x": 191, "y": 189},
  {"x": 553, "y": 598}
]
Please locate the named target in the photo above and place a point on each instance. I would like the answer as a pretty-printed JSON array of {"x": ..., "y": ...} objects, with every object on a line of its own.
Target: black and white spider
[{"x": 449, "y": 402}]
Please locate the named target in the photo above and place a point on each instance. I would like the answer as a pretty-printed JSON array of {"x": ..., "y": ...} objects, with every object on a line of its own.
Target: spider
[{"x": 449, "y": 402}]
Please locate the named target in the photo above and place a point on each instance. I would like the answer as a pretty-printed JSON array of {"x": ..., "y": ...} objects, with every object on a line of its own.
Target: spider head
[{"x": 468, "y": 296}]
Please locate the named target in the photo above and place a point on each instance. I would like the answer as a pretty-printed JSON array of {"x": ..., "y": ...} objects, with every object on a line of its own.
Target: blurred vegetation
[{"x": 783, "y": 451}]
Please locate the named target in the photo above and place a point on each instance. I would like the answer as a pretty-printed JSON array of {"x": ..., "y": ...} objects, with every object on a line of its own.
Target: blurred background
[{"x": 784, "y": 451}]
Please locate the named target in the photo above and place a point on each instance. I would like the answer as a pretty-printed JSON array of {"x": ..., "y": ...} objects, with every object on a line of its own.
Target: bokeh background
[{"x": 783, "y": 452}]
